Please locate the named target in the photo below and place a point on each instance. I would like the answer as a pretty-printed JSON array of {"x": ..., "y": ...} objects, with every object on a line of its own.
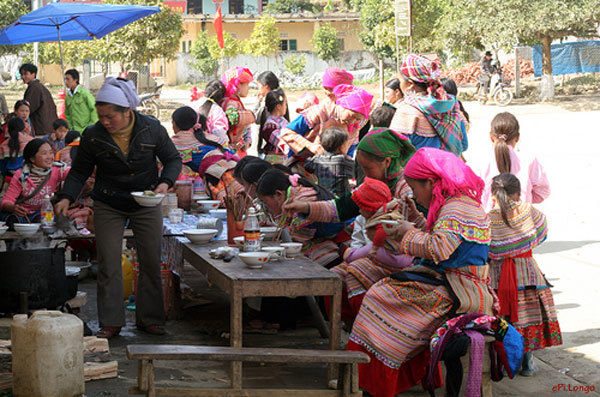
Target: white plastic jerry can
[{"x": 47, "y": 355}]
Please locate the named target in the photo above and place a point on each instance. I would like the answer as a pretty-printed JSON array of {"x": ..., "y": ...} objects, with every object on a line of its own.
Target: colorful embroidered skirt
[
  {"x": 361, "y": 274},
  {"x": 538, "y": 322},
  {"x": 396, "y": 319}
]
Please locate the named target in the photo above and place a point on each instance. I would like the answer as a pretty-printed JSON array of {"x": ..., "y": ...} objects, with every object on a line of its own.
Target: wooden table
[{"x": 290, "y": 278}]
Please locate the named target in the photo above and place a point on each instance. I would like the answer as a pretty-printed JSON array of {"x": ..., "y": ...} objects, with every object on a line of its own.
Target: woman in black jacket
[{"x": 123, "y": 146}]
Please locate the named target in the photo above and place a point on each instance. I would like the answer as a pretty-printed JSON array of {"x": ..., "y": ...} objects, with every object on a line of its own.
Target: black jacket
[
  {"x": 42, "y": 107},
  {"x": 118, "y": 175}
]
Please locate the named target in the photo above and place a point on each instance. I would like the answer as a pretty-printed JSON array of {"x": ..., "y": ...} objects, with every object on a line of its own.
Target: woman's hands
[
  {"x": 295, "y": 207},
  {"x": 400, "y": 230},
  {"x": 62, "y": 207},
  {"x": 19, "y": 210},
  {"x": 410, "y": 209}
]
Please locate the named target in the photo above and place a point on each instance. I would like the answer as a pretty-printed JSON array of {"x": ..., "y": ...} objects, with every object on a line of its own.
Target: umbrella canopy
[{"x": 72, "y": 21}]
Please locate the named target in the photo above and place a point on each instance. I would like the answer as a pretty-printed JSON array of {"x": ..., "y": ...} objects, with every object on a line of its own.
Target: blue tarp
[{"x": 567, "y": 58}]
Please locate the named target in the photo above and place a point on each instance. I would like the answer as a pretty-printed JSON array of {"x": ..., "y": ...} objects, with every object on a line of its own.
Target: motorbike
[
  {"x": 499, "y": 89},
  {"x": 149, "y": 103}
]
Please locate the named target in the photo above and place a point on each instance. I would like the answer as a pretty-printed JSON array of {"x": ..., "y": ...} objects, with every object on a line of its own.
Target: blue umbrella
[{"x": 72, "y": 21}]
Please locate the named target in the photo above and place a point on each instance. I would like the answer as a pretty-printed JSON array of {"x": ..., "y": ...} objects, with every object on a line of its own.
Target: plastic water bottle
[
  {"x": 251, "y": 232},
  {"x": 47, "y": 212}
]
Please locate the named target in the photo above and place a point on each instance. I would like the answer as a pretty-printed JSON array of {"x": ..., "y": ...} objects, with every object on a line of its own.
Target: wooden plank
[
  {"x": 347, "y": 379},
  {"x": 95, "y": 371},
  {"x": 355, "y": 387},
  {"x": 142, "y": 376},
  {"x": 160, "y": 391},
  {"x": 92, "y": 345},
  {"x": 335, "y": 319},
  {"x": 236, "y": 329},
  {"x": 151, "y": 386},
  {"x": 247, "y": 354},
  {"x": 5, "y": 381},
  {"x": 16, "y": 236}
]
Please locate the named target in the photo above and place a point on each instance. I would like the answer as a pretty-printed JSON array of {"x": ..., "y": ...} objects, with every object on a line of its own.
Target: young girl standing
[
  {"x": 524, "y": 293},
  {"x": 275, "y": 122},
  {"x": 505, "y": 135},
  {"x": 236, "y": 81}
]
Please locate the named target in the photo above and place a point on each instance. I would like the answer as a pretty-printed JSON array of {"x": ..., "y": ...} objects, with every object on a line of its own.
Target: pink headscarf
[
  {"x": 452, "y": 178},
  {"x": 353, "y": 98},
  {"x": 336, "y": 76},
  {"x": 423, "y": 70},
  {"x": 233, "y": 77}
]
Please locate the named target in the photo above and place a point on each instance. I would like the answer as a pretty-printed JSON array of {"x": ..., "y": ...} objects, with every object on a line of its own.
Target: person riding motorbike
[{"x": 487, "y": 69}]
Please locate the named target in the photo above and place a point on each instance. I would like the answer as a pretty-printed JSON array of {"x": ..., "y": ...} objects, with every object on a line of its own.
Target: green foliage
[
  {"x": 482, "y": 24},
  {"x": 378, "y": 34},
  {"x": 202, "y": 60},
  {"x": 295, "y": 64},
  {"x": 325, "y": 42},
  {"x": 290, "y": 7},
  {"x": 10, "y": 11},
  {"x": 264, "y": 39},
  {"x": 140, "y": 42},
  {"x": 232, "y": 47}
]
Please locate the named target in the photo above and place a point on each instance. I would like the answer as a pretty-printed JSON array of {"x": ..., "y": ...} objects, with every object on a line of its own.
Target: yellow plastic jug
[{"x": 127, "y": 269}]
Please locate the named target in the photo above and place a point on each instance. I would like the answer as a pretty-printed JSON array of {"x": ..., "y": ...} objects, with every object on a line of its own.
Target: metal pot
[{"x": 38, "y": 272}]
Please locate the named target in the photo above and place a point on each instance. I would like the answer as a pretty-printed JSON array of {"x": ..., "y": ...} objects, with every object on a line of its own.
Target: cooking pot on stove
[{"x": 38, "y": 272}]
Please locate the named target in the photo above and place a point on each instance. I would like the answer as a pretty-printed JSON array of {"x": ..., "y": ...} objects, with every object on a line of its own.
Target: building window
[
  {"x": 341, "y": 43},
  {"x": 236, "y": 6},
  {"x": 183, "y": 46},
  {"x": 289, "y": 45},
  {"x": 190, "y": 46}
]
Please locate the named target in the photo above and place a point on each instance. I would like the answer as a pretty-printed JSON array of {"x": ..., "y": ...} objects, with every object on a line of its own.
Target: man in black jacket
[
  {"x": 41, "y": 104},
  {"x": 123, "y": 146}
]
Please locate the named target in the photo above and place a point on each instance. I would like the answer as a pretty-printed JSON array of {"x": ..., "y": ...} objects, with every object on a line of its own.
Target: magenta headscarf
[
  {"x": 336, "y": 76},
  {"x": 233, "y": 77},
  {"x": 452, "y": 178},
  {"x": 353, "y": 98},
  {"x": 423, "y": 70}
]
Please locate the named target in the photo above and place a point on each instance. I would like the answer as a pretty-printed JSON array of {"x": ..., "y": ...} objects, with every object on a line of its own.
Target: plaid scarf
[{"x": 444, "y": 116}]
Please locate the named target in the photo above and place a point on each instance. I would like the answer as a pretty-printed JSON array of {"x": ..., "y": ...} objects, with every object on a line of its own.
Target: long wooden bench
[{"x": 146, "y": 354}]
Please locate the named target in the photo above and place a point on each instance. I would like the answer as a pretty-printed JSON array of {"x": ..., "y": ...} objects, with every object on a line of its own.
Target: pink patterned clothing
[
  {"x": 16, "y": 189},
  {"x": 535, "y": 187},
  {"x": 216, "y": 122}
]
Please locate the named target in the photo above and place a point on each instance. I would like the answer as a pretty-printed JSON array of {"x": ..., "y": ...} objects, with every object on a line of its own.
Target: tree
[
  {"x": 290, "y": 7},
  {"x": 325, "y": 42},
  {"x": 503, "y": 24},
  {"x": 264, "y": 39},
  {"x": 202, "y": 60},
  {"x": 10, "y": 11},
  {"x": 156, "y": 36},
  {"x": 295, "y": 64},
  {"x": 378, "y": 20},
  {"x": 232, "y": 47}
]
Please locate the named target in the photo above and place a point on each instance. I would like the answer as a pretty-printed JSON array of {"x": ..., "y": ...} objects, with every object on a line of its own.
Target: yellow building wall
[{"x": 300, "y": 31}]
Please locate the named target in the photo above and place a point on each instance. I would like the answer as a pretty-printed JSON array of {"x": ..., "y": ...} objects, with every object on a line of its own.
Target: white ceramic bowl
[
  {"x": 254, "y": 260},
  {"x": 147, "y": 201},
  {"x": 3, "y": 229},
  {"x": 49, "y": 229},
  {"x": 239, "y": 241},
  {"x": 26, "y": 229},
  {"x": 220, "y": 214},
  {"x": 201, "y": 197},
  {"x": 276, "y": 253},
  {"x": 292, "y": 249},
  {"x": 200, "y": 236},
  {"x": 269, "y": 232},
  {"x": 207, "y": 205}
]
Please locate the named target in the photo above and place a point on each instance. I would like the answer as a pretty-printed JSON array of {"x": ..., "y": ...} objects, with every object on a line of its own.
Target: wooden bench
[{"x": 146, "y": 354}]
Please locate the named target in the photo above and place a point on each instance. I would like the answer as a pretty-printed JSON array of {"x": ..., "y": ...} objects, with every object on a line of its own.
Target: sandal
[
  {"x": 153, "y": 329},
  {"x": 108, "y": 332}
]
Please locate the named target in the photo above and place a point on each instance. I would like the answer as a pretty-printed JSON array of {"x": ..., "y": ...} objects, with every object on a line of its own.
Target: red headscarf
[
  {"x": 452, "y": 178},
  {"x": 233, "y": 77}
]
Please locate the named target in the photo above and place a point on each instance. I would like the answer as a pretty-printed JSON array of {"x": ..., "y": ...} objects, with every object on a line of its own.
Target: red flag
[{"x": 218, "y": 23}]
